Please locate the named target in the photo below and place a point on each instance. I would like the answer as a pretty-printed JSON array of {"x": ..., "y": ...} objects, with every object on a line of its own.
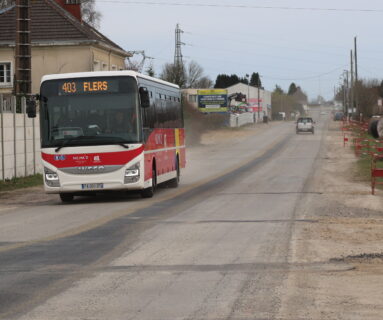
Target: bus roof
[{"x": 105, "y": 74}]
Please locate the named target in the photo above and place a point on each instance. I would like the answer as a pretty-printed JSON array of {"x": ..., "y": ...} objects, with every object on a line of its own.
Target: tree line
[
  {"x": 367, "y": 93},
  {"x": 192, "y": 75},
  {"x": 291, "y": 102},
  {"x": 225, "y": 80}
]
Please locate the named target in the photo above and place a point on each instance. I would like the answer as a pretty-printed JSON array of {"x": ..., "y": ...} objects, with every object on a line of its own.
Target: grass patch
[
  {"x": 362, "y": 170},
  {"x": 20, "y": 183}
]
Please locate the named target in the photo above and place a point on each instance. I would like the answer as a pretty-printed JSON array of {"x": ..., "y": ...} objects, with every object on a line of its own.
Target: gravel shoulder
[{"x": 348, "y": 232}]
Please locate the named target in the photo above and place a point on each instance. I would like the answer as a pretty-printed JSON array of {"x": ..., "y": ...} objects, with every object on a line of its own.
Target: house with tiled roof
[{"x": 61, "y": 43}]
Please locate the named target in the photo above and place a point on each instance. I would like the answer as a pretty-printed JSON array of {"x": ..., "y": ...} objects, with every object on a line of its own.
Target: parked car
[{"x": 305, "y": 125}]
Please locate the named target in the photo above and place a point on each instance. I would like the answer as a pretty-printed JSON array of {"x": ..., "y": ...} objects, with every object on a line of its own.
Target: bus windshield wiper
[
  {"x": 121, "y": 143},
  {"x": 67, "y": 142}
]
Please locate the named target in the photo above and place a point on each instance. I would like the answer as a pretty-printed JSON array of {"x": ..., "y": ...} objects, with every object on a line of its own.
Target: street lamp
[
  {"x": 259, "y": 100},
  {"x": 346, "y": 92},
  {"x": 248, "y": 95},
  {"x": 248, "y": 88}
]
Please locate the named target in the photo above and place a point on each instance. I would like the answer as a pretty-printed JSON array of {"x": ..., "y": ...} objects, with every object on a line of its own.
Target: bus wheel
[
  {"x": 66, "y": 197},
  {"x": 175, "y": 181},
  {"x": 149, "y": 192}
]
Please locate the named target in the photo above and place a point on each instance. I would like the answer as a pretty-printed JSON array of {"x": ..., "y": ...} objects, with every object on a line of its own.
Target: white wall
[
  {"x": 19, "y": 154},
  {"x": 239, "y": 120}
]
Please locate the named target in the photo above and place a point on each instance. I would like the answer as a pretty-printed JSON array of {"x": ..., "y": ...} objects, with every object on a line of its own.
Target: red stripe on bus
[{"x": 91, "y": 159}]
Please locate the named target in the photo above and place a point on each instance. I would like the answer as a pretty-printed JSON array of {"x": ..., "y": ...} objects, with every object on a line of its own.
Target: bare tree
[
  {"x": 189, "y": 76},
  {"x": 133, "y": 65},
  {"x": 368, "y": 93},
  {"x": 150, "y": 71},
  {"x": 174, "y": 74},
  {"x": 194, "y": 74},
  {"x": 89, "y": 13},
  {"x": 204, "y": 82}
]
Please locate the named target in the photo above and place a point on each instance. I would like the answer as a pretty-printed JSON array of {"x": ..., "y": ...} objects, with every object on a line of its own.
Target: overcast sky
[{"x": 309, "y": 47}]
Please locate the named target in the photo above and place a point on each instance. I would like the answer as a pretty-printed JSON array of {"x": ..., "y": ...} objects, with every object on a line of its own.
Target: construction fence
[{"x": 19, "y": 141}]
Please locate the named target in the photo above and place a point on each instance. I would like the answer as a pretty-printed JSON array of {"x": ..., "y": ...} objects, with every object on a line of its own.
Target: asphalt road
[{"x": 215, "y": 248}]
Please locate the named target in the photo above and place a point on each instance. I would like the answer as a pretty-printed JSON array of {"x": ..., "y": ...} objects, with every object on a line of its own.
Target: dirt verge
[{"x": 350, "y": 230}]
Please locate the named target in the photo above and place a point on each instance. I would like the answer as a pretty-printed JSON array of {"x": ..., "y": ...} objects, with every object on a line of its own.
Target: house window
[
  {"x": 104, "y": 66},
  {"x": 96, "y": 65},
  {"x": 114, "y": 67},
  {"x": 5, "y": 73},
  {"x": 193, "y": 98}
]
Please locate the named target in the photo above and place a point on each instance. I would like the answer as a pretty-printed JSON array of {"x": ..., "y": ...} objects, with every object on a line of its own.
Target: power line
[
  {"x": 307, "y": 78},
  {"x": 312, "y": 77},
  {"x": 257, "y": 54},
  {"x": 238, "y": 6},
  {"x": 262, "y": 35}
]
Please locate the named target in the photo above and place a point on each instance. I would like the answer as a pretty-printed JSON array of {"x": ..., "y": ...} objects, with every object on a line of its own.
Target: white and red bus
[{"x": 110, "y": 131}]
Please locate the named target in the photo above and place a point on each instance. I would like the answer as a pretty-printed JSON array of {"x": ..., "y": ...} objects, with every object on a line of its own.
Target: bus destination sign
[{"x": 87, "y": 86}]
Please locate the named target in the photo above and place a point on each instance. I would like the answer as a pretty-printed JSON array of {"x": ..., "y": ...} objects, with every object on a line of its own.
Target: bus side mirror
[
  {"x": 31, "y": 108},
  {"x": 144, "y": 96}
]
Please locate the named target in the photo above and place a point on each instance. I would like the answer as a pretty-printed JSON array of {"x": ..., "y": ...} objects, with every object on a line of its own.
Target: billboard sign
[{"x": 214, "y": 100}]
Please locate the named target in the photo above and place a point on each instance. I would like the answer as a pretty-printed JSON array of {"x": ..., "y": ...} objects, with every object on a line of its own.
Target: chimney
[{"x": 72, "y": 6}]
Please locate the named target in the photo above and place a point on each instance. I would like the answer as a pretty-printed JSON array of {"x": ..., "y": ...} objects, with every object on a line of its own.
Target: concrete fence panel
[
  {"x": 19, "y": 142},
  {"x": 239, "y": 120}
]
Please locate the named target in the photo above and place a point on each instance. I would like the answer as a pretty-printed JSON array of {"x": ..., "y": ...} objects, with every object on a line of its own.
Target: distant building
[
  {"x": 61, "y": 43},
  {"x": 191, "y": 97},
  {"x": 251, "y": 93}
]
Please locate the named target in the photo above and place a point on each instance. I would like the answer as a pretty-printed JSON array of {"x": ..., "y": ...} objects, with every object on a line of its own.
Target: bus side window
[{"x": 148, "y": 113}]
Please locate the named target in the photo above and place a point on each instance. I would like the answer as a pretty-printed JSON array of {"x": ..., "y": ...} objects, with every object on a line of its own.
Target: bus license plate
[{"x": 87, "y": 186}]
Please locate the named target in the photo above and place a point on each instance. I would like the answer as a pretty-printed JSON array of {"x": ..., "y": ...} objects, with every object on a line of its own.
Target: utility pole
[
  {"x": 356, "y": 77},
  {"x": 352, "y": 82},
  {"x": 259, "y": 101},
  {"x": 344, "y": 97},
  {"x": 346, "y": 93},
  {"x": 178, "y": 54},
  {"x": 179, "y": 76},
  {"x": 23, "y": 50}
]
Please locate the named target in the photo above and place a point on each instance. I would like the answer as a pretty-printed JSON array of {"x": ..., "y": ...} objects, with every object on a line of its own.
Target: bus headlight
[
  {"x": 51, "y": 178},
  {"x": 132, "y": 174}
]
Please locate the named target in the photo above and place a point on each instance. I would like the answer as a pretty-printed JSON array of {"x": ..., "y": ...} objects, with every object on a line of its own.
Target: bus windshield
[{"x": 91, "y": 111}]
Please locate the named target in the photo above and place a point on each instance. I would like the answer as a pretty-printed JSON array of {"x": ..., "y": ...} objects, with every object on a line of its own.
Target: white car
[{"x": 305, "y": 125}]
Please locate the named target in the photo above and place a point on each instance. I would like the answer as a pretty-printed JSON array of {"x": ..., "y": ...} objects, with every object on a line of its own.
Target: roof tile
[{"x": 50, "y": 22}]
